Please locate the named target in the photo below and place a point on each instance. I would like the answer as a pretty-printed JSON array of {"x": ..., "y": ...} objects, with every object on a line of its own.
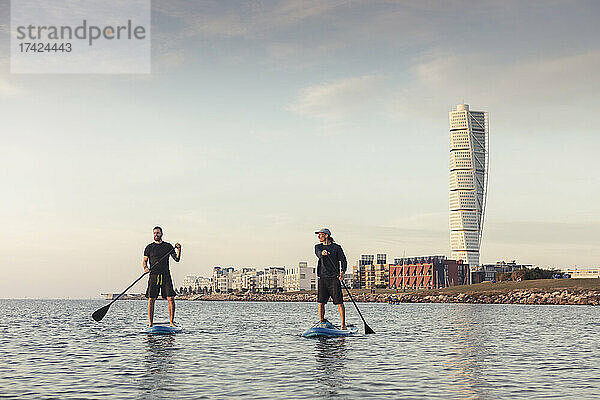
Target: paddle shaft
[
  {"x": 138, "y": 279},
  {"x": 369, "y": 330}
]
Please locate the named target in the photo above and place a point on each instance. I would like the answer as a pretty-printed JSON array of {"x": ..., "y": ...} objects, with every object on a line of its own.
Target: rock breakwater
[
  {"x": 570, "y": 296},
  {"x": 558, "y": 297}
]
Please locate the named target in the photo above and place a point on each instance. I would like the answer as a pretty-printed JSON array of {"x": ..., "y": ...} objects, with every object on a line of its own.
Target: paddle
[
  {"x": 101, "y": 312},
  {"x": 367, "y": 327}
]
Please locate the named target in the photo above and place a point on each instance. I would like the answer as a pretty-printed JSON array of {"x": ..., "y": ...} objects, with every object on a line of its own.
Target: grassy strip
[{"x": 491, "y": 288}]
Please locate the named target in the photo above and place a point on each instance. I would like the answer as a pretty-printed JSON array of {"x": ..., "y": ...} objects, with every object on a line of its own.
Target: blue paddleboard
[
  {"x": 327, "y": 329},
  {"x": 158, "y": 329}
]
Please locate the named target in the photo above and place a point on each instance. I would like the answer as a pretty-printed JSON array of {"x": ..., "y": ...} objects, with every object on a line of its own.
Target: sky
[{"x": 263, "y": 121}]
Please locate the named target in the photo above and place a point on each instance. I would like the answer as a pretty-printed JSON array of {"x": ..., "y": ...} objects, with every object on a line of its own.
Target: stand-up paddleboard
[
  {"x": 327, "y": 329},
  {"x": 162, "y": 329}
]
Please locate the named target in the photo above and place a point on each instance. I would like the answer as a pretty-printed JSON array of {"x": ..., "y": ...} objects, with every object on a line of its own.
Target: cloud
[
  {"x": 293, "y": 34},
  {"x": 210, "y": 18},
  {"x": 338, "y": 101},
  {"x": 528, "y": 92},
  {"x": 167, "y": 54},
  {"x": 481, "y": 73}
]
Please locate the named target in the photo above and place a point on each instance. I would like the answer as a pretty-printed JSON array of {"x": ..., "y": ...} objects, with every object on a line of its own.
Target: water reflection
[
  {"x": 330, "y": 354},
  {"x": 468, "y": 337},
  {"x": 159, "y": 362}
]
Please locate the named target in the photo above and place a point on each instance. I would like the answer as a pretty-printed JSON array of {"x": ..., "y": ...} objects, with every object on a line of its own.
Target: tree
[
  {"x": 532, "y": 273},
  {"x": 503, "y": 276},
  {"x": 518, "y": 275}
]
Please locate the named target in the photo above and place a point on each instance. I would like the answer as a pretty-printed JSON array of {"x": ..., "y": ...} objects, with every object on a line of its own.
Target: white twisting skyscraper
[{"x": 469, "y": 146}]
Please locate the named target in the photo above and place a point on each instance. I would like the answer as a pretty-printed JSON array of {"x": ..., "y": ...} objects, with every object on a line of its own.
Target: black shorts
[
  {"x": 160, "y": 283},
  {"x": 330, "y": 286}
]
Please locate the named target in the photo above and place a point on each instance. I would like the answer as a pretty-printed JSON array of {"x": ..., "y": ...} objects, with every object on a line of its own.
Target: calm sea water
[{"x": 53, "y": 349}]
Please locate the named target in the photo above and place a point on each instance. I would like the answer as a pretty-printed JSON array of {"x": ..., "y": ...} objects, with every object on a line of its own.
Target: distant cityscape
[
  {"x": 468, "y": 184},
  {"x": 369, "y": 272}
]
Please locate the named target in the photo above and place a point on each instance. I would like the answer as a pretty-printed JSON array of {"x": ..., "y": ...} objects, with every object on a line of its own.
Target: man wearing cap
[{"x": 330, "y": 270}]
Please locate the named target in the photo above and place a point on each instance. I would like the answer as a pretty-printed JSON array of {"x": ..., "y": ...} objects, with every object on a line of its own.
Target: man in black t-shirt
[
  {"x": 157, "y": 254},
  {"x": 330, "y": 271}
]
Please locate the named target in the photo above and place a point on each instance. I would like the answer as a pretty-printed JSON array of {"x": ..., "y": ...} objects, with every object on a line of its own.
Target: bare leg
[
  {"x": 171, "y": 301},
  {"x": 321, "y": 312},
  {"x": 342, "y": 310},
  {"x": 150, "y": 310}
]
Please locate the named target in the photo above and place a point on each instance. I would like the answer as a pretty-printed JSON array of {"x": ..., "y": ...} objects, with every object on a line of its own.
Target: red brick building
[{"x": 426, "y": 273}]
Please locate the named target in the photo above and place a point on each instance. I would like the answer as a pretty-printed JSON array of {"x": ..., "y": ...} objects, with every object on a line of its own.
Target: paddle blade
[
  {"x": 100, "y": 313},
  {"x": 368, "y": 329}
]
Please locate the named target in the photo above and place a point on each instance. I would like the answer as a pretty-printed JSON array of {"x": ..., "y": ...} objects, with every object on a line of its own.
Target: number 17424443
[{"x": 40, "y": 47}]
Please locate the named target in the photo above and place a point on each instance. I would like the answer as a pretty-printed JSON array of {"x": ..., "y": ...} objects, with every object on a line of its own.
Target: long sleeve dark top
[{"x": 330, "y": 264}]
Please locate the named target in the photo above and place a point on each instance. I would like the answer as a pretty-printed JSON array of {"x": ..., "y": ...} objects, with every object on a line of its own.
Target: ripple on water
[{"x": 254, "y": 350}]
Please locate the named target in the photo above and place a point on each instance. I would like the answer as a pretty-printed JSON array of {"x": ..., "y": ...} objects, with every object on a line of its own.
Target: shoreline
[
  {"x": 542, "y": 292},
  {"x": 541, "y": 297}
]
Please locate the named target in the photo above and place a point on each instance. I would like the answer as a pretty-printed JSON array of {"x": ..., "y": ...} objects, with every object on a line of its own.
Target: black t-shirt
[{"x": 155, "y": 252}]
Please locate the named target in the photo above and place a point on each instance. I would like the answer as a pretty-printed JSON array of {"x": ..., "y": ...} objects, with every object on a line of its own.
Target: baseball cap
[{"x": 324, "y": 230}]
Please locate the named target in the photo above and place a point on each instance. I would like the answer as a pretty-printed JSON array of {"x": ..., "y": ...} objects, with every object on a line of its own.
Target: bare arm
[{"x": 145, "y": 264}]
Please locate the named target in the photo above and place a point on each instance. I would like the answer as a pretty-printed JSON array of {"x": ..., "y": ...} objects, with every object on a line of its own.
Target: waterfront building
[
  {"x": 427, "y": 272},
  {"x": 469, "y": 160},
  {"x": 302, "y": 277},
  {"x": 217, "y": 272},
  {"x": 456, "y": 273},
  {"x": 359, "y": 271},
  {"x": 418, "y": 273},
  {"x": 222, "y": 279},
  {"x": 358, "y": 276},
  {"x": 369, "y": 276},
  {"x": 244, "y": 280},
  {"x": 348, "y": 279},
  {"x": 236, "y": 281},
  {"x": 489, "y": 272},
  {"x": 271, "y": 279},
  {"x": 250, "y": 280},
  {"x": 223, "y": 283},
  {"x": 380, "y": 276},
  {"x": 203, "y": 284},
  {"x": 366, "y": 259},
  {"x": 196, "y": 284},
  {"x": 582, "y": 272},
  {"x": 189, "y": 282}
]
